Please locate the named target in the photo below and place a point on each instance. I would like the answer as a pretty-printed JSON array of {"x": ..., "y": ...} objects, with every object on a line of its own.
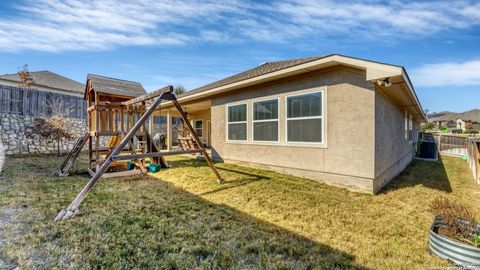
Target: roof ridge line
[{"x": 107, "y": 77}]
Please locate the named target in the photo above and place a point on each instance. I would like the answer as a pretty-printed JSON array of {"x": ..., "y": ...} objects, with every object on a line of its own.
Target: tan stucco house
[{"x": 336, "y": 119}]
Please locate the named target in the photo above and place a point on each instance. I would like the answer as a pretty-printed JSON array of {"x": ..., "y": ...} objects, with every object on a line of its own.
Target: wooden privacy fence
[
  {"x": 32, "y": 102},
  {"x": 451, "y": 144},
  {"x": 473, "y": 155}
]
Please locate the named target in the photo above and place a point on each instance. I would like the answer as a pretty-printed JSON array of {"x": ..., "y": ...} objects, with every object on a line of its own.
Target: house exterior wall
[
  {"x": 460, "y": 124},
  {"x": 347, "y": 158},
  {"x": 392, "y": 151}
]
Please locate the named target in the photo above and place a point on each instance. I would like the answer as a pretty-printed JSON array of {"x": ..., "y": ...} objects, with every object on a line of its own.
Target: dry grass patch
[{"x": 181, "y": 218}]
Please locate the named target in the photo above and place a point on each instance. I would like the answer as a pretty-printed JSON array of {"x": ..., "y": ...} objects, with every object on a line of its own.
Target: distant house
[
  {"x": 48, "y": 88},
  {"x": 341, "y": 120},
  {"x": 467, "y": 125},
  {"x": 439, "y": 124},
  {"x": 450, "y": 125},
  {"x": 461, "y": 124},
  {"x": 47, "y": 81}
]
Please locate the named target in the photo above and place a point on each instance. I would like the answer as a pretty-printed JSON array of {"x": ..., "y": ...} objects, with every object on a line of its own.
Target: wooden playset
[{"x": 119, "y": 142}]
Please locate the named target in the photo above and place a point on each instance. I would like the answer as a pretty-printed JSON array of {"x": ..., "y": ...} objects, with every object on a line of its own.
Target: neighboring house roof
[
  {"x": 107, "y": 85},
  {"x": 282, "y": 69},
  {"x": 50, "y": 80}
]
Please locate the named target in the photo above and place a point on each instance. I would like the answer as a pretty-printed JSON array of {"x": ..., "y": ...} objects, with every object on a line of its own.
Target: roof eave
[
  {"x": 374, "y": 71},
  {"x": 406, "y": 78}
]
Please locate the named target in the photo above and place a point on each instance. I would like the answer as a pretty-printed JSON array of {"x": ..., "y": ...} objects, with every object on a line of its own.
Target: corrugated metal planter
[{"x": 459, "y": 253}]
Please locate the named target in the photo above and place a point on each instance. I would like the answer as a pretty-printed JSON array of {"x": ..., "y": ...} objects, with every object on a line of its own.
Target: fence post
[
  {"x": 24, "y": 102},
  {"x": 477, "y": 144}
]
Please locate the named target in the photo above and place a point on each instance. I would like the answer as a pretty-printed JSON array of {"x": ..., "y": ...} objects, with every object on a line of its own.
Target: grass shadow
[
  {"x": 252, "y": 178},
  {"x": 148, "y": 224},
  {"x": 430, "y": 174}
]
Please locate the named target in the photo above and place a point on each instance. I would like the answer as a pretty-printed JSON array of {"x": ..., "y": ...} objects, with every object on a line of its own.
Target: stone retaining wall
[{"x": 15, "y": 141}]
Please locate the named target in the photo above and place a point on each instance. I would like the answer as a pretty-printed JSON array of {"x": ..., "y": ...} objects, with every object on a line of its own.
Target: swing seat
[
  {"x": 130, "y": 166},
  {"x": 154, "y": 168}
]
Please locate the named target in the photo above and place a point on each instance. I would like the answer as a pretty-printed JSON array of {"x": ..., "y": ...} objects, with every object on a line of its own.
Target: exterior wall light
[{"x": 385, "y": 82}]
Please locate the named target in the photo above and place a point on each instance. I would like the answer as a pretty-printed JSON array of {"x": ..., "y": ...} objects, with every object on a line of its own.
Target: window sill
[{"x": 278, "y": 144}]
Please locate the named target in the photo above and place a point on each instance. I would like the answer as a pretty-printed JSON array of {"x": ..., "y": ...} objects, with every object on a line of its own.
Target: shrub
[
  {"x": 458, "y": 221},
  {"x": 53, "y": 128}
]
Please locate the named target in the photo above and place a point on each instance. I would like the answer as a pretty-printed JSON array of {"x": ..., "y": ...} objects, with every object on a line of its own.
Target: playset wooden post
[{"x": 128, "y": 148}]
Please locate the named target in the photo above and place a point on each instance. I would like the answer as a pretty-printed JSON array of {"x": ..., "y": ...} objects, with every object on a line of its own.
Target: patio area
[{"x": 181, "y": 218}]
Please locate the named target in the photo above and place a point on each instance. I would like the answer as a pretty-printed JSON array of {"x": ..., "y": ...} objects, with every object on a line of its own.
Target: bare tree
[
  {"x": 55, "y": 127},
  {"x": 26, "y": 79},
  {"x": 58, "y": 108}
]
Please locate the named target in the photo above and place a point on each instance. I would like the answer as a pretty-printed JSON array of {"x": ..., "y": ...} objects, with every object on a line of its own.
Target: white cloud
[
  {"x": 448, "y": 74},
  {"x": 59, "y": 25},
  {"x": 378, "y": 19},
  {"x": 49, "y": 25}
]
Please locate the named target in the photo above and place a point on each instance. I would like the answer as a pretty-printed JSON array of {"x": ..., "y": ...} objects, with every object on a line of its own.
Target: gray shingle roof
[
  {"x": 49, "y": 79},
  {"x": 102, "y": 84},
  {"x": 263, "y": 69}
]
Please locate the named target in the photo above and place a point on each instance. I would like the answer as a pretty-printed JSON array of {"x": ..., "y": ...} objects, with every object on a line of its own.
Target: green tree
[
  {"x": 179, "y": 89},
  {"x": 428, "y": 127}
]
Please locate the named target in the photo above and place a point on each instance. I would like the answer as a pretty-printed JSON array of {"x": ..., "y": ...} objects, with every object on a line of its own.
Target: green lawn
[{"x": 181, "y": 218}]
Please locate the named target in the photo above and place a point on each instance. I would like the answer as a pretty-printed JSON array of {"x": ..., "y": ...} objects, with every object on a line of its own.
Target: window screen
[
  {"x": 199, "y": 128},
  {"x": 265, "y": 120},
  {"x": 237, "y": 122},
  {"x": 305, "y": 118}
]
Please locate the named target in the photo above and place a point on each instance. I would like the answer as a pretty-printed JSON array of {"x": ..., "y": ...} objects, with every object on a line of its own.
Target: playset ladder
[{"x": 72, "y": 156}]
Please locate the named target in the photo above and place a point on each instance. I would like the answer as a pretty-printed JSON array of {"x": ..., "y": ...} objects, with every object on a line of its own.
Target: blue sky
[{"x": 193, "y": 42}]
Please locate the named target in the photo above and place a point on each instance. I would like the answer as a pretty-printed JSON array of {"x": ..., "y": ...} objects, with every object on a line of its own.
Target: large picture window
[
  {"x": 410, "y": 128},
  {"x": 305, "y": 118},
  {"x": 265, "y": 121},
  {"x": 237, "y": 122}
]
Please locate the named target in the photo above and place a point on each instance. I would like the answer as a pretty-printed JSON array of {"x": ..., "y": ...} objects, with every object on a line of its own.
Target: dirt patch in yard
[{"x": 6, "y": 216}]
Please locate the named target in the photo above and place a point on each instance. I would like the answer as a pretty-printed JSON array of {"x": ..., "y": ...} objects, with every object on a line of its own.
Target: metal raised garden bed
[{"x": 458, "y": 253}]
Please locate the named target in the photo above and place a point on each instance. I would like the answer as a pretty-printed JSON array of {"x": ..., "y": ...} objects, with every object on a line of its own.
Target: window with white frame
[
  {"x": 265, "y": 121},
  {"x": 410, "y": 128},
  {"x": 305, "y": 118},
  {"x": 198, "y": 126},
  {"x": 237, "y": 122},
  {"x": 406, "y": 125}
]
